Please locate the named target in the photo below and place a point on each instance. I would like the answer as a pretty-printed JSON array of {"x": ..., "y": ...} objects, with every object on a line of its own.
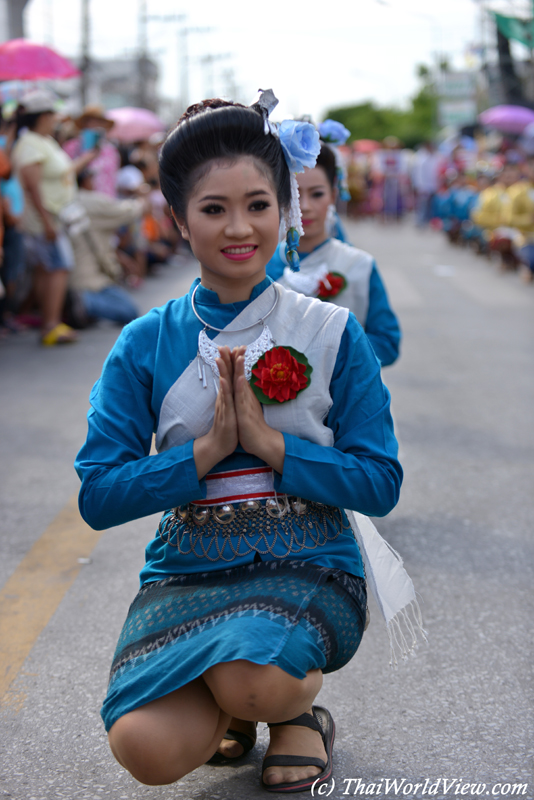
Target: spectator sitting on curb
[
  {"x": 132, "y": 247},
  {"x": 518, "y": 214},
  {"x": 159, "y": 243},
  {"x": 97, "y": 270}
]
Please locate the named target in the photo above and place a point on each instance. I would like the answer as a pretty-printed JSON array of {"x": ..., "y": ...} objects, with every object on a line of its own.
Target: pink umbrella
[
  {"x": 27, "y": 61},
  {"x": 134, "y": 124},
  {"x": 508, "y": 119}
]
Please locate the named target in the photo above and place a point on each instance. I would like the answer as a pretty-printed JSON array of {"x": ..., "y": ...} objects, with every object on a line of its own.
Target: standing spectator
[
  {"x": 12, "y": 202},
  {"x": 391, "y": 168},
  {"x": 427, "y": 164},
  {"x": 47, "y": 177},
  {"x": 97, "y": 270},
  {"x": 93, "y": 127}
]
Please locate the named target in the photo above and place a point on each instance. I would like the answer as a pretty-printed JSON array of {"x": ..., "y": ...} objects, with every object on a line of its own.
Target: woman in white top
[{"x": 47, "y": 176}]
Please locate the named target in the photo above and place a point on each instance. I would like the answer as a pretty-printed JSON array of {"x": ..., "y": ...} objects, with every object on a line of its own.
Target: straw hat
[{"x": 94, "y": 112}]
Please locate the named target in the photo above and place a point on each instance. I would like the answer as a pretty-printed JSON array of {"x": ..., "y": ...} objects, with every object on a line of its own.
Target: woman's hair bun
[
  {"x": 216, "y": 130},
  {"x": 204, "y": 105}
]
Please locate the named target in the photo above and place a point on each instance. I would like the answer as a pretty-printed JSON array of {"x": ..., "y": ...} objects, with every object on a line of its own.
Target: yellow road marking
[{"x": 32, "y": 594}]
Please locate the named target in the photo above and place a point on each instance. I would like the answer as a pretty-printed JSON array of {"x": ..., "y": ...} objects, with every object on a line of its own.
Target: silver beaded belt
[{"x": 232, "y": 530}]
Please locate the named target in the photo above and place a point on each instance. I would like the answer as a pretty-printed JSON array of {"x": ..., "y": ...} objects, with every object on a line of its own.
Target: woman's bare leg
[
  {"x": 53, "y": 288},
  {"x": 255, "y": 692},
  {"x": 229, "y": 747},
  {"x": 166, "y": 739}
]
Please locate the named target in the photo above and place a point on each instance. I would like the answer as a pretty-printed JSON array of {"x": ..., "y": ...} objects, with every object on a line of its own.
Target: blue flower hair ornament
[
  {"x": 300, "y": 145},
  {"x": 333, "y": 132}
]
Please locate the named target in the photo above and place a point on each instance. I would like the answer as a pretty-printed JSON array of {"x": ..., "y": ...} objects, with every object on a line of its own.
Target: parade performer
[
  {"x": 492, "y": 215},
  {"x": 270, "y": 419},
  {"x": 518, "y": 214},
  {"x": 331, "y": 269}
]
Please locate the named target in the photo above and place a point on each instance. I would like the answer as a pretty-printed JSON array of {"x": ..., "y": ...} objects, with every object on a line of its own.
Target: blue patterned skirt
[{"x": 293, "y": 614}]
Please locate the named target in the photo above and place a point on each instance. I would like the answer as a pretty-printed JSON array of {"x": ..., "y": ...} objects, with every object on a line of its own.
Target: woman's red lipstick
[{"x": 241, "y": 252}]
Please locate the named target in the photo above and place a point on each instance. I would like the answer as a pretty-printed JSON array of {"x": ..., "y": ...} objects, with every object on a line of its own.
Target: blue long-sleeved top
[
  {"x": 122, "y": 482},
  {"x": 380, "y": 324}
]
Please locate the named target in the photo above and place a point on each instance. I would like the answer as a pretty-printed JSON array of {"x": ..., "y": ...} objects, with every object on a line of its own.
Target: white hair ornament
[{"x": 301, "y": 146}]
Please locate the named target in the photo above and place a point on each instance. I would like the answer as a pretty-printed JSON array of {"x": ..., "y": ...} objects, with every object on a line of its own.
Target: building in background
[
  {"x": 12, "y": 19},
  {"x": 112, "y": 83}
]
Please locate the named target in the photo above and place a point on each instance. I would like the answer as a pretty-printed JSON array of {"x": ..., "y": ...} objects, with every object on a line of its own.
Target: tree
[{"x": 416, "y": 125}]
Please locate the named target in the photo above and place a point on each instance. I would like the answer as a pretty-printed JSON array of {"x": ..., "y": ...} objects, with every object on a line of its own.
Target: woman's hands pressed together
[{"x": 238, "y": 418}]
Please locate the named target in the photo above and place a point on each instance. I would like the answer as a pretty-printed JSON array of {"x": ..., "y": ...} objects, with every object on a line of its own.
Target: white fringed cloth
[{"x": 391, "y": 587}]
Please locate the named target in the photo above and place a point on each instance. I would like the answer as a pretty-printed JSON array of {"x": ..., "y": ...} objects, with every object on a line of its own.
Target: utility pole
[
  {"x": 208, "y": 62},
  {"x": 183, "y": 35},
  {"x": 85, "y": 61},
  {"x": 142, "y": 58},
  {"x": 49, "y": 23},
  {"x": 230, "y": 87}
]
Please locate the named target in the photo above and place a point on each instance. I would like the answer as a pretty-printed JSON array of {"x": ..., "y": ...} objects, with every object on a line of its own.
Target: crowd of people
[
  {"x": 478, "y": 197},
  {"x": 492, "y": 211},
  {"x": 83, "y": 220}
]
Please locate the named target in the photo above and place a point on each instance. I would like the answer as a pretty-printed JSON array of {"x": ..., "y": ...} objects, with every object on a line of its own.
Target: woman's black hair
[
  {"x": 25, "y": 120},
  {"x": 327, "y": 160},
  {"x": 213, "y": 130}
]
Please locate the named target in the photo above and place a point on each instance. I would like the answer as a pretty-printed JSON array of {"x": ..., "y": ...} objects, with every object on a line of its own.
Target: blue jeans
[
  {"x": 112, "y": 303},
  {"x": 526, "y": 256},
  {"x": 423, "y": 204}
]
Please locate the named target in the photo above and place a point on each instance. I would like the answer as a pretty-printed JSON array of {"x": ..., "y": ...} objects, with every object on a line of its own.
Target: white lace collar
[{"x": 208, "y": 352}]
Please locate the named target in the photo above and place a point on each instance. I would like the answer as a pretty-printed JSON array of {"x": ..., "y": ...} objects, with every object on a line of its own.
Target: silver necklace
[
  {"x": 208, "y": 352},
  {"x": 238, "y": 330}
]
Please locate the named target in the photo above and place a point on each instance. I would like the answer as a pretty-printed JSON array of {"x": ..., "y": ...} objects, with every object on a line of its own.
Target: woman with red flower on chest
[
  {"x": 334, "y": 270},
  {"x": 271, "y": 419}
]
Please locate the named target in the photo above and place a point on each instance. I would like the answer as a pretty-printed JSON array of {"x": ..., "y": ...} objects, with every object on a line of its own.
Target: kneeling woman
[
  {"x": 270, "y": 418},
  {"x": 334, "y": 270}
]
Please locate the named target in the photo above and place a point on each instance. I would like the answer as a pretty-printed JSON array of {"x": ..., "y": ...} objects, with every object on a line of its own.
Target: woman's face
[
  {"x": 232, "y": 223},
  {"x": 316, "y": 195},
  {"x": 46, "y": 123}
]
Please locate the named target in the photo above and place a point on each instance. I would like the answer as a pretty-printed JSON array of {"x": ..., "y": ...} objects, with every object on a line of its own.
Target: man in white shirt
[{"x": 425, "y": 180}]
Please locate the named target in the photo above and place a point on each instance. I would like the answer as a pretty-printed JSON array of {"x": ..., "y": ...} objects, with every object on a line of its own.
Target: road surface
[{"x": 459, "y": 714}]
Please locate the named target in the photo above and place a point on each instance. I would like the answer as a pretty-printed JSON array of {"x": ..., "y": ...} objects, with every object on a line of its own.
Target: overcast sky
[{"x": 313, "y": 54}]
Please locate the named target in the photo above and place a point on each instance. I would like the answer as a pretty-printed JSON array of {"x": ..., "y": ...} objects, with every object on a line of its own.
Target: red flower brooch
[
  {"x": 331, "y": 285},
  {"x": 279, "y": 375}
]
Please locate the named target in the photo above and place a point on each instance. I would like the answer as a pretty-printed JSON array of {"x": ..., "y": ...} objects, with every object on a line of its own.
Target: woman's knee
[
  {"x": 260, "y": 692},
  {"x": 134, "y": 751},
  {"x": 146, "y": 756}
]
